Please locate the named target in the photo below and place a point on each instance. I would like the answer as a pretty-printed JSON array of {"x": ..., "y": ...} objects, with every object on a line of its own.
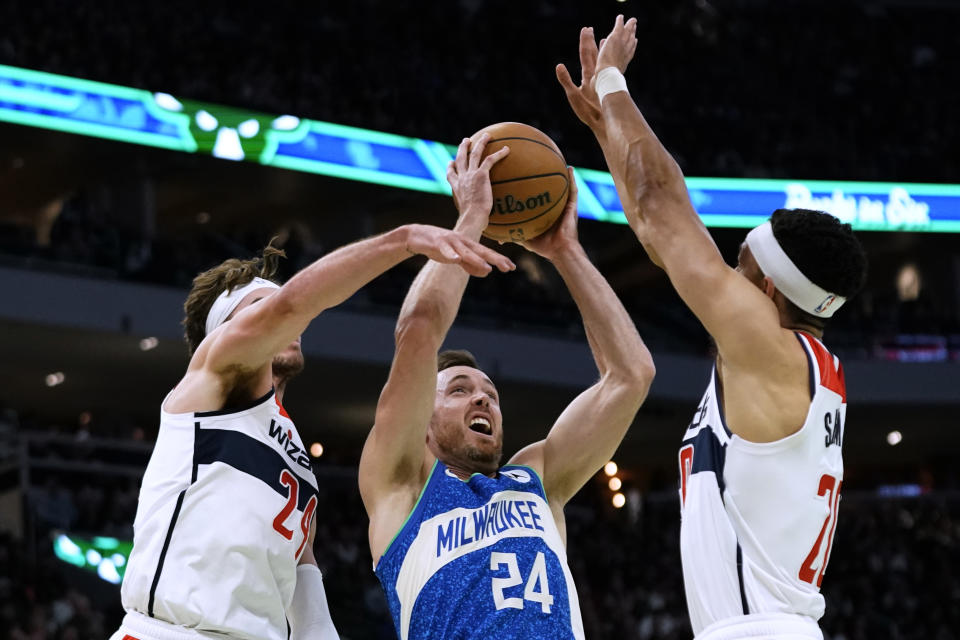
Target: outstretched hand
[
  {"x": 617, "y": 49},
  {"x": 583, "y": 99},
  {"x": 562, "y": 236},
  {"x": 452, "y": 247}
]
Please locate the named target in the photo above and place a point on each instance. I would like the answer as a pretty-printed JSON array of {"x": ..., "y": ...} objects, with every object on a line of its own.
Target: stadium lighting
[
  {"x": 316, "y": 449},
  {"x": 615, "y": 484},
  {"x": 619, "y": 500},
  {"x": 55, "y": 378},
  {"x": 148, "y": 343},
  {"x": 894, "y": 438},
  {"x": 610, "y": 468}
]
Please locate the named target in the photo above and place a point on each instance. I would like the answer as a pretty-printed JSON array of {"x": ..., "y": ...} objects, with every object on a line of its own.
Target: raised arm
[
  {"x": 658, "y": 207},
  {"x": 251, "y": 339},
  {"x": 391, "y": 465},
  {"x": 590, "y": 429}
]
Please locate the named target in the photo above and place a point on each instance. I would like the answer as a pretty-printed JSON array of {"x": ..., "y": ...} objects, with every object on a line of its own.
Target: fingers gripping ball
[{"x": 530, "y": 186}]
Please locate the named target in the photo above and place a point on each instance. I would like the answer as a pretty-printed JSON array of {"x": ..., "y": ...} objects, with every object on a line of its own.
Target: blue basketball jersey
[{"x": 480, "y": 558}]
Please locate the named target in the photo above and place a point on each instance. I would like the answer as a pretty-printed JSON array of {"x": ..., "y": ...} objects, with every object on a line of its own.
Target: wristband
[{"x": 609, "y": 80}]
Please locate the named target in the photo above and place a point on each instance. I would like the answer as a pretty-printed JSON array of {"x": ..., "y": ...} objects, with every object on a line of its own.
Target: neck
[
  {"x": 791, "y": 321},
  {"x": 816, "y": 332},
  {"x": 280, "y": 385}
]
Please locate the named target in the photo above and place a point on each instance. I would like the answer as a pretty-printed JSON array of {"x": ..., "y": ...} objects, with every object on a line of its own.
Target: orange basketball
[{"x": 530, "y": 185}]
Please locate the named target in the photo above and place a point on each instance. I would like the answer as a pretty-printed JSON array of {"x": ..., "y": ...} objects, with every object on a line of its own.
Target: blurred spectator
[{"x": 891, "y": 572}]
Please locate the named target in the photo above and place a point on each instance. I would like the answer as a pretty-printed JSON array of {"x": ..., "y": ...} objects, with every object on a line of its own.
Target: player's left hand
[{"x": 562, "y": 236}]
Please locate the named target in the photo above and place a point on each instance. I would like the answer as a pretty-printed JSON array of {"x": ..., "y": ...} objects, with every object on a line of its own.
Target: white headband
[
  {"x": 787, "y": 277},
  {"x": 227, "y": 301}
]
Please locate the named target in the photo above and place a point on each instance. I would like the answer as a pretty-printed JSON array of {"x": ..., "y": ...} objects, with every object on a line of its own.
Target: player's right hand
[
  {"x": 469, "y": 176},
  {"x": 451, "y": 247},
  {"x": 583, "y": 99},
  {"x": 617, "y": 49}
]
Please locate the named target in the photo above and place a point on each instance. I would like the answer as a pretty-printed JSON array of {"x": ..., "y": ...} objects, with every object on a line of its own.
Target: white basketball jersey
[
  {"x": 757, "y": 520},
  {"x": 224, "y": 512}
]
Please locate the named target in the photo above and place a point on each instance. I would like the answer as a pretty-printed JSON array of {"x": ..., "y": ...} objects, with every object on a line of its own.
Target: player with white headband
[
  {"x": 760, "y": 464},
  {"x": 224, "y": 527}
]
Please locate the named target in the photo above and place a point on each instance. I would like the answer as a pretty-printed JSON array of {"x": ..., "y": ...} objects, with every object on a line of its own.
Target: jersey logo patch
[
  {"x": 517, "y": 474},
  {"x": 294, "y": 452}
]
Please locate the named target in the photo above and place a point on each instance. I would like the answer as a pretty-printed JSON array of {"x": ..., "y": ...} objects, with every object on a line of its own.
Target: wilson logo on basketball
[
  {"x": 509, "y": 204},
  {"x": 293, "y": 451}
]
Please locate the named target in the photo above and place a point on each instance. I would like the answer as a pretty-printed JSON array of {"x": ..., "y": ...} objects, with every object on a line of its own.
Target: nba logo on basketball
[{"x": 823, "y": 306}]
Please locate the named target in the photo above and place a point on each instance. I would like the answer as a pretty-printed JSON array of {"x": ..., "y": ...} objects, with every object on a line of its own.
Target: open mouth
[{"x": 481, "y": 425}]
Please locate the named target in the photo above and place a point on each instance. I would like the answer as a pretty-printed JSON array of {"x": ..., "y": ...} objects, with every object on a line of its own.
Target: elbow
[
  {"x": 284, "y": 304},
  {"x": 638, "y": 375},
  {"x": 419, "y": 325},
  {"x": 643, "y": 377},
  {"x": 651, "y": 171}
]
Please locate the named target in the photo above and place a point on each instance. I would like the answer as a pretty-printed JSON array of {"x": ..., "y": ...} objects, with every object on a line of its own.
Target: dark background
[{"x": 99, "y": 241}]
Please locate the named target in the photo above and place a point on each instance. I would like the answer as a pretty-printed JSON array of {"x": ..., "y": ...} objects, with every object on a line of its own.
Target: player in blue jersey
[{"x": 466, "y": 548}]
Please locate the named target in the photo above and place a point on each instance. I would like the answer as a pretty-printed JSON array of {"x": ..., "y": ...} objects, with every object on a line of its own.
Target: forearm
[
  {"x": 341, "y": 273},
  {"x": 434, "y": 297},
  {"x": 654, "y": 192},
  {"x": 616, "y": 346}
]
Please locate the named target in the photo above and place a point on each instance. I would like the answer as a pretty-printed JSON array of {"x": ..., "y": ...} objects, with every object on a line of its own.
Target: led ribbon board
[{"x": 160, "y": 120}]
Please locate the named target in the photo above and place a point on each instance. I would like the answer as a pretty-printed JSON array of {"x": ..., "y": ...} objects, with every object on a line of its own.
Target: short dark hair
[
  {"x": 226, "y": 276},
  {"x": 455, "y": 358},
  {"x": 824, "y": 249}
]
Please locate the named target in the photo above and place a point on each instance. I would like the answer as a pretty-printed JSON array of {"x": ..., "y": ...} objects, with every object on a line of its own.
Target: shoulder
[{"x": 531, "y": 457}]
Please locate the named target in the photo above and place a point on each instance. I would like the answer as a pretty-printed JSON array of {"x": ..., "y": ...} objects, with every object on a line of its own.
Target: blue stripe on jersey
[
  {"x": 810, "y": 364},
  {"x": 743, "y": 592},
  {"x": 250, "y": 456},
  {"x": 708, "y": 454},
  {"x": 474, "y": 560}
]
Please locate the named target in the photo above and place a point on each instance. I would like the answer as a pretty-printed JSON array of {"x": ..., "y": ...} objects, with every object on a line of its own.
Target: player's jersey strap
[
  {"x": 480, "y": 558},
  {"x": 825, "y": 368}
]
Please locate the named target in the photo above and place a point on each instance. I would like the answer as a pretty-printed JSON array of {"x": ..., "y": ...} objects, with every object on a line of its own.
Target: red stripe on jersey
[
  {"x": 283, "y": 411},
  {"x": 830, "y": 377},
  {"x": 129, "y": 637}
]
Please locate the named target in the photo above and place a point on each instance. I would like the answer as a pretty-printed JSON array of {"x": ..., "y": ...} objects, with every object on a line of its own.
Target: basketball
[{"x": 530, "y": 185}]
